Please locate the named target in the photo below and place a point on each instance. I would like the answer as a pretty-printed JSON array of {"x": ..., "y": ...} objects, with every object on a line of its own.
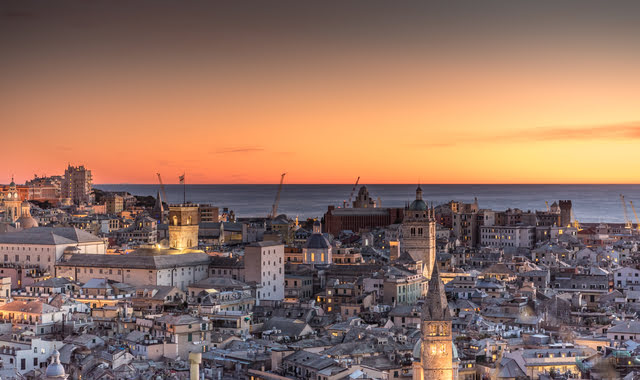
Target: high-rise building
[
  {"x": 183, "y": 226},
  {"x": 436, "y": 348},
  {"x": 264, "y": 265},
  {"x": 77, "y": 185},
  {"x": 114, "y": 204},
  {"x": 418, "y": 233}
]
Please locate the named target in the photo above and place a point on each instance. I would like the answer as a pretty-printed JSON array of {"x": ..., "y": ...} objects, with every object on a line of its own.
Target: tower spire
[{"x": 436, "y": 307}]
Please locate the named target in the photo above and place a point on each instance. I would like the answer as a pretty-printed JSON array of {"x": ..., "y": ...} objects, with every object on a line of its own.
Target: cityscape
[{"x": 287, "y": 190}]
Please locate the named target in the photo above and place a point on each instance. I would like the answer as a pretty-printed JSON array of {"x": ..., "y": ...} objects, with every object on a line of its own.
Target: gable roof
[{"x": 49, "y": 236}]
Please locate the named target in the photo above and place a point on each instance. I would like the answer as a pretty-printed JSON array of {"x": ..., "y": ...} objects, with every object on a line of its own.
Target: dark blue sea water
[{"x": 591, "y": 203}]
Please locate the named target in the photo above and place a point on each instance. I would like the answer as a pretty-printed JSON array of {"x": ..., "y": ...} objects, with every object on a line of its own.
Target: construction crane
[
  {"x": 164, "y": 194},
  {"x": 633, "y": 208},
  {"x": 274, "y": 209},
  {"x": 627, "y": 222},
  {"x": 352, "y": 191}
]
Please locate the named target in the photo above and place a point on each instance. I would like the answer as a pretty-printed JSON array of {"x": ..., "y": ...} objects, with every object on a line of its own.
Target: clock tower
[
  {"x": 436, "y": 351},
  {"x": 12, "y": 203}
]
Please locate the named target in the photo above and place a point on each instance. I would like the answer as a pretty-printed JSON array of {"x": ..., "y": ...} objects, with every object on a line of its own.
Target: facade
[
  {"x": 418, "y": 233},
  {"x": 355, "y": 219},
  {"x": 145, "y": 266},
  {"x": 508, "y": 236},
  {"x": 115, "y": 204},
  {"x": 183, "y": 226},
  {"x": 436, "y": 348},
  {"x": 44, "y": 246},
  {"x": 208, "y": 213},
  {"x": 264, "y": 265},
  {"x": 77, "y": 184},
  {"x": 363, "y": 199}
]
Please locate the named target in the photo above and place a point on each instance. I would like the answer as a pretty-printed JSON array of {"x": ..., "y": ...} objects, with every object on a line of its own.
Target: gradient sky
[{"x": 394, "y": 92}]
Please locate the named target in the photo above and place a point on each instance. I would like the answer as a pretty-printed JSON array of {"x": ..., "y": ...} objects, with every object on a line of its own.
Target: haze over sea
[{"x": 591, "y": 203}]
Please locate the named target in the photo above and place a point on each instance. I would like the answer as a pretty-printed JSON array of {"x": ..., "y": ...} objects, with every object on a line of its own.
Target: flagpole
[{"x": 184, "y": 189}]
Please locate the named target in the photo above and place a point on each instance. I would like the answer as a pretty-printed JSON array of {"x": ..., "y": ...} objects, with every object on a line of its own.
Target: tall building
[
  {"x": 418, "y": 233},
  {"x": 436, "y": 347},
  {"x": 114, "y": 204},
  {"x": 77, "y": 184},
  {"x": 264, "y": 265},
  {"x": 565, "y": 213},
  {"x": 183, "y": 226}
]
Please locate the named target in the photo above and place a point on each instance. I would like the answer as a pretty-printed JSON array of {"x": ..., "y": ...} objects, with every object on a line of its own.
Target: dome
[
  {"x": 417, "y": 349},
  {"x": 27, "y": 221},
  {"x": 418, "y": 205},
  {"x": 317, "y": 241},
  {"x": 55, "y": 369}
]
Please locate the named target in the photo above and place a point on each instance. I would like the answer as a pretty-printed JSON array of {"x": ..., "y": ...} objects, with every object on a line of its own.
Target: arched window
[
  {"x": 189, "y": 221},
  {"x": 313, "y": 257},
  {"x": 175, "y": 220},
  {"x": 322, "y": 257}
]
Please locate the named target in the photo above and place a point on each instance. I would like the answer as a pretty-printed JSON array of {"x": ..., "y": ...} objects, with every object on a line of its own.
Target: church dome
[
  {"x": 418, "y": 205},
  {"x": 55, "y": 370},
  {"x": 27, "y": 221},
  {"x": 317, "y": 241}
]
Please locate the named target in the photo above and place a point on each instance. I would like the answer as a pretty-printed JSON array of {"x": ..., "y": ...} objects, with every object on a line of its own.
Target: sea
[{"x": 591, "y": 203}]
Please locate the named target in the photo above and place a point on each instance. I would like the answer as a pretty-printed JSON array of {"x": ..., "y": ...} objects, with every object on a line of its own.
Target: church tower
[
  {"x": 418, "y": 233},
  {"x": 436, "y": 351},
  {"x": 12, "y": 203},
  {"x": 183, "y": 226}
]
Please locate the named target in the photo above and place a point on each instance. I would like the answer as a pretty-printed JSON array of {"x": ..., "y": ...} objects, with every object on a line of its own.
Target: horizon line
[{"x": 380, "y": 184}]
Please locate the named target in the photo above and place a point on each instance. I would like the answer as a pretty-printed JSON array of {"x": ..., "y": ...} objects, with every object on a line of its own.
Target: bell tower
[
  {"x": 418, "y": 233},
  {"x": 183, "y": 226},
  {"x": 12, "y": 203},
  {"x": 436, "y": 352}
]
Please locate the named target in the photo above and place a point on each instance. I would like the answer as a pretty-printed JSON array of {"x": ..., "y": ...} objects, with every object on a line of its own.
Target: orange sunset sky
[{"x": 446, "y": 92}]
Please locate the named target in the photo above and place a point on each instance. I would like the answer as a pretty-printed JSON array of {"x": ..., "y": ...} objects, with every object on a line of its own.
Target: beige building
[
  {"x": 44, "y": 246},
  {"x": 115, "y": 204},
  {"x": 144, "y": 266},
  {"x": 77, "y": 185}
]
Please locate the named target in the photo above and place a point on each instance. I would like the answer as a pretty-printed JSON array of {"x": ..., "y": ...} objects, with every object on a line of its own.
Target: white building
[
  {"x": 44, "y": 246},
  {"x": 264, "y": 265},
  {"x": 144, "y": 266},
  {"x": 508, "y": 236},
  {"x": 23, "y": 357},
  {"x": 626, "y": 278}
]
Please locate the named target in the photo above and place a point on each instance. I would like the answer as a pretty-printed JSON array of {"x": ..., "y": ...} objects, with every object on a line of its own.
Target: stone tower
[
  {"x": 12, "y": 203},
  {"x": 418, "y": 233},
  {"x": 565, "y": 213},
  {"x": 183, "y": 226},
  {"x": 436, "y": 351}
]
